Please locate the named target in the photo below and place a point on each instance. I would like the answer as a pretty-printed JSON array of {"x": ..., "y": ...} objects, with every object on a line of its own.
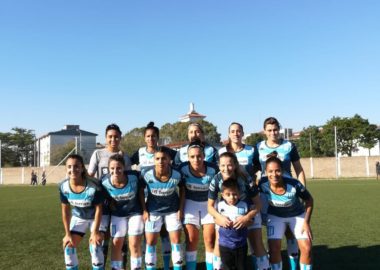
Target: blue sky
[{"x": 92, "y": 63}]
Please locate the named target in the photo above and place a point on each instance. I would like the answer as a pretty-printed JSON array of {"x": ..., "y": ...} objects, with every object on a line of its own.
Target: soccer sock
[
  {"x": 97, "y": 257},
  {"x": 292, "y": 248},
  {"x": 116, "y": 265},
  {"x": 253, "y": 257},
  {"x": 136, "y": 263},
  {"x": 191, "y": 260},
  {"x": 263, "y": 262},
  {"x": 71, "y": 258},
  {"x": 150, "y": 257},
  {"x": 124, "y": 252},
  {"x": 217, "y": 263},
  {"x": 209, "y": 257},
  {"x": 277, "y": 266},
  {"x": 177, "y": 256},
  {"x": 105, "y": 250},
  {"x": 306, "y": 266},
  {"x": 166, "y": 251}
]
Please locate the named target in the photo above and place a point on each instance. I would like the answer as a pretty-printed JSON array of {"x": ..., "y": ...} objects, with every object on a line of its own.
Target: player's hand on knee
[
  {"x": 96, "y": 238},
  {"x": 67, "y": 241},
  {"x": 306, "y": 229}
]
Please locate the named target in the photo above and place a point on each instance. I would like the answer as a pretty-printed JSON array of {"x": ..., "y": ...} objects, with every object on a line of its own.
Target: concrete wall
[
  {"x": 315, "y": 168},
  {"x": 343, "y": 167}
]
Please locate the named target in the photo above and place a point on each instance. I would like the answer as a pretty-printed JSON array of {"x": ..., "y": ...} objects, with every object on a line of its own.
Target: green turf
[{"x": 345, "y": 224}]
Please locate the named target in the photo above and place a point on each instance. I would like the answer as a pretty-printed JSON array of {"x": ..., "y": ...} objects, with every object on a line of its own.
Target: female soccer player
[
  {"x": 243, "y": 152},
  {"x": 98, "y": 167},
  {"x": 287, "y": 152},
  {"x": 195, "y": 132},
  {"x": 164, "y": 204},
  {"x": 197, "y": 176},
  {"x": 144, "y": 158},
  {"x": 290, "y": 204},
  {"x": 84, "y": 196},
  {"x": 229, "y": 167},
  {"x": 122, "y": 188}
]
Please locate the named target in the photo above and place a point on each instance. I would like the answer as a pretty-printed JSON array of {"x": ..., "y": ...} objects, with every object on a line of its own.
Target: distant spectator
[
  {"x": 33, "y": 178},
  {"x": 377, "y": 170},
  {"x": 43, "y": 178}
]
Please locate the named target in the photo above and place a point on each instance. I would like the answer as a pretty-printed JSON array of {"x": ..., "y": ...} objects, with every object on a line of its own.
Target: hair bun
[{"x": 150, "y": 124}]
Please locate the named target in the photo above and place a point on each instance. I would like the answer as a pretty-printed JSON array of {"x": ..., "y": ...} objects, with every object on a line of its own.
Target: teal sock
[
  {"x": 306, "y": 266},
  {"x": 191, "y": 260},
  {"x": 254, "y": 262},
  {"x": 209, "y": 257},
  {"x": 277, "y": 266}
]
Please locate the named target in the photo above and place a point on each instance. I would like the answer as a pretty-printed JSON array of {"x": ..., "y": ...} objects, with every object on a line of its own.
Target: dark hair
[
  {"x": 238, "y": 173},
  {"x": 113, "y": 127},
  {"x": 271, "y": 121},
  {"x": 80, "y": 159},
  {"x": 163, "y": 149},
  {"x": 273, "y": 159},
  {"x": 118, "y": 158},
  {"x": 228, "y": 146},
  {"x": 230, "y": 183},
  {"x": 197, "y": 144},
  {"x": 151, "y": 126},
  {"x": 272, "y": 154}
]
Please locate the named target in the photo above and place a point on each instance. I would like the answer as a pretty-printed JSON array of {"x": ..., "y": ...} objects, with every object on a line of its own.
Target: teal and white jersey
[
  {"x": 287, "y": 204},
  {"x": 163, "y": 197},
  {"x": 99, "y": 162},
  {"x": 247, "y": 192},
  {"x": 82, "y": 203},
  {"x": 211, "y": 154},
  {"x": 123, "y": 201},
  {"x": 197, "y": 187},
  {"x": 145, "y": 160},
  {"x": 286, "y": 152},
  {"x": 245, "y": 157}
]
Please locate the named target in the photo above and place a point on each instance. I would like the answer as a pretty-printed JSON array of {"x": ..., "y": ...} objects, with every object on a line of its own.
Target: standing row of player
[{"x": 199, "y": 183}]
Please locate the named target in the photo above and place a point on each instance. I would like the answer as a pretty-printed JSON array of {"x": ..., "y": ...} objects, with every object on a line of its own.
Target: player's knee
[{"x": 306, "y": 248}]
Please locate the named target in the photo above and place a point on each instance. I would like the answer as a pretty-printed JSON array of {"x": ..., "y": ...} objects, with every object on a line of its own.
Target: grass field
[{"x": 345, "y": 223}]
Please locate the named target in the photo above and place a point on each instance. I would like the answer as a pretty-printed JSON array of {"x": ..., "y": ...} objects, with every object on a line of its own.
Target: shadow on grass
[
  {"x": 347, "y": 258},
  {"x": 342, "y": 258}
]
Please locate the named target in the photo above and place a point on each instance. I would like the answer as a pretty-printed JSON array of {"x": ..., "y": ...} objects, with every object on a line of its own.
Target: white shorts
[
  {"x": 264, "y": 208},
  {"x": 134, "y": 225},
  {"x": 105, "y": 222},
  {"x": 257, "y": 222},
  {"x": 196, "y": 213},
  {"x": 154, "y": 224},
  {"x": 276, "y": 226},
  {"x": 80, "y": 225}
]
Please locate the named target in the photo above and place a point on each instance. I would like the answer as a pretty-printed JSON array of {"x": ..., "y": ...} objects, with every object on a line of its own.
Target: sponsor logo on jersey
[
  {"x": 162, "y": 192},
  {"x": 195, "y": 187},
  {"x": 80, "y": 203},
  {"x": 124, "y": 197}
]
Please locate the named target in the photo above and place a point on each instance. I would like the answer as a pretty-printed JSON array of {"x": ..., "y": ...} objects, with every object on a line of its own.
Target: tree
[
  {"x": 177, "y": 132},
  {"x": 18, "y": 147},
  {"x": 255, "y": 138},
  {"x": 349, "y": 133},
  {"x": 59, "y": 152},
  {"x": 369, "y": 137},
  {"x": 132, "y": 140},
  {"x": 311, "y": 143}
]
